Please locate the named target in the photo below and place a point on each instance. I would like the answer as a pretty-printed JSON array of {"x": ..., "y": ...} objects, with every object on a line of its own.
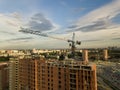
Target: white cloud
[
  {"x": 11, "y": 38},
  {"x": 110, "y": 10},
  {"x": 41, "y": 23},
  {"x": 104, "y": 13},
  {"x": 98, "y": 25},
  {"x": 10, "y": 21},
  {"x": 9, "y": 26},
  {"x": 17, "y": 16}
]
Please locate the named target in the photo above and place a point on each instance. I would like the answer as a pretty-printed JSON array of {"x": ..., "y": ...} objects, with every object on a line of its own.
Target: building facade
[
  {"x": 105, "y": 54},
  {"x": 14, "y": 74},
  {"x": 36, "y": 74},
  {"x": 4, "y": 76}
]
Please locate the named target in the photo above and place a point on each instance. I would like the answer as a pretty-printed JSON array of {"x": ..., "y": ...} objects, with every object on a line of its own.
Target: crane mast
[{"x": 72, "y": 43}]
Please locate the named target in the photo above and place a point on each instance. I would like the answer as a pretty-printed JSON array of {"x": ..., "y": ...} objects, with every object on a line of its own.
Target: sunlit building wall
[
  {"x": 38, "y": 74},
  {"x": 14, "y": 74}
]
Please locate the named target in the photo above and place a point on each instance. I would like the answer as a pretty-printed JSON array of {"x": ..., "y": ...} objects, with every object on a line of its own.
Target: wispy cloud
[
  {"x": 6, "y": 32},
  {"x": 16, "y": 15},
  {"x": 9, "y": 25},
  {"x": 22, "y": 38},
  {"x": 114, "y": 33},
  {"x": 39, "y": 22},
  {"x": 11, "y": 20},
  {"x": 94, "y": 40},
  {"x": 19, "y": 39},
  {"x": 118, "y": 38},
  {"x": 99, "y": 19}
]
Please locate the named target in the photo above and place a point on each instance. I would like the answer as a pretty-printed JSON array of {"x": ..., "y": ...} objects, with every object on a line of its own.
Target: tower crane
[{"x": 72, "y": 42}]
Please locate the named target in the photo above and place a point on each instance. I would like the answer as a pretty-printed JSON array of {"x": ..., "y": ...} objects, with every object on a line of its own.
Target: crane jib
[{"x": 72, "y": 43}]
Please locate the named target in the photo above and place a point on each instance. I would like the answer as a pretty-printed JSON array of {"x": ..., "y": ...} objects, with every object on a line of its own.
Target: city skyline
[{"x": 95, "y": 22}]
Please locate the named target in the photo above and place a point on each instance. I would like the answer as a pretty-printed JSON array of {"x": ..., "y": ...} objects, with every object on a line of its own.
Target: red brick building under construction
[{"x": 35, "y": 74}]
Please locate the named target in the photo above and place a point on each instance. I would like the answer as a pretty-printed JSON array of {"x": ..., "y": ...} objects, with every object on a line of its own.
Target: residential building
[
  {"x": 40, "y": 74},
  {"x": 14, "y": 74},
  {"x": 4, "y": 78}
]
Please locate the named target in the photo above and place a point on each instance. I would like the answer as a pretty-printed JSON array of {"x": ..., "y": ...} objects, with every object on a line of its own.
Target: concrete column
[
  {"x": 85, "y": 55},
  {"x": 105, "y": 54}
]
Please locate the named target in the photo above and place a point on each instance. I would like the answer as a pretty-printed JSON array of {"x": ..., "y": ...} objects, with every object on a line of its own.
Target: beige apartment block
[{"x": 14, "y": 74}]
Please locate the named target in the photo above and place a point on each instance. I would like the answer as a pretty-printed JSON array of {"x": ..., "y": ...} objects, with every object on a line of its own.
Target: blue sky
[{"x": 95, "y": 22}]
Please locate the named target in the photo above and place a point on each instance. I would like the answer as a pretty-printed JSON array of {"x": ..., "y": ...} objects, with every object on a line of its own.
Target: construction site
[
  {"x": 60, "y": 45},
  {"x": 107, "y": 61}
]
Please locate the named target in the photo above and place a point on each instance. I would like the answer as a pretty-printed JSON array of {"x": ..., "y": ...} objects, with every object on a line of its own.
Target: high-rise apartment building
[
  {"x": 105, "y": 54},
  {"x": 14, "y": 74},
  {"x": 4, "y": 77},
  {"x": 85, "y": 55},
  {"x": 36, "y": 74}
]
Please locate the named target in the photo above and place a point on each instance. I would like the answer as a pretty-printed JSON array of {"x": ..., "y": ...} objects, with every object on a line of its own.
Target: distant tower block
[
  {"x": 85, "y": 55},
  {"x": 105, "y": 54}
]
